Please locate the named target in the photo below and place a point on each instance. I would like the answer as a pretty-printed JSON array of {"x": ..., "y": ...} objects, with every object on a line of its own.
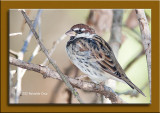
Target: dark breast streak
[
  {"x": 71, "y": 41},
  {"x": 79, "y": 44}
]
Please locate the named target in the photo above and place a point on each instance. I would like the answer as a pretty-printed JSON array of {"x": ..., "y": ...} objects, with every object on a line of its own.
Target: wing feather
[
  {"x": 100, "y": 52},
  {"x": 105, "y": 56}
]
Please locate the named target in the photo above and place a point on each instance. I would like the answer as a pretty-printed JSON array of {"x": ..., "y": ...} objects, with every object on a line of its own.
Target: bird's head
[{"x": 81, "y": 30}]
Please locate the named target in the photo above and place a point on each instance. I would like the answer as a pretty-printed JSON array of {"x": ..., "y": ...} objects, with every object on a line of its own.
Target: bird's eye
[{"x": 78, "y": 31}]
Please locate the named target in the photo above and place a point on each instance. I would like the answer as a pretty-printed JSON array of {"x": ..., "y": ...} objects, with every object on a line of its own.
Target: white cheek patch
[
  {"x": 86, "y": 35},
  {"x": 82, "y": 35},
  {"x": 83, "y": 29},
  {"x": 76, "y": 29}
]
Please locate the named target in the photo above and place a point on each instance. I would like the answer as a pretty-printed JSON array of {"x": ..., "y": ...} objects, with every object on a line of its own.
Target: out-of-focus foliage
[{"x": 138, "y": 72}]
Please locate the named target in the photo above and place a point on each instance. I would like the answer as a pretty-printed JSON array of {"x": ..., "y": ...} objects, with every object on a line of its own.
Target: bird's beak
[{"x": 70, "y": 33}]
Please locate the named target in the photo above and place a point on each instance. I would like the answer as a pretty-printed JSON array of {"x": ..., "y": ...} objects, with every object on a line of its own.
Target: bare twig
[
  {"x": 19, "y": 78},
  {"x": 15, "y": 34},
  {"x": 28, "y": 39},
  {"x": 20, "y": 55},
  {"x": 53, "y": 48},
  {"x": 87, "y": 86},
  {"x": 22, "y": 52},
  {"x": 13, "y": 53},
  {"x": 36, "y": 50},
  {"x": 11, "y": 86},
  {"x": 65, "y": 79},
  {"x": 146, "y": 39}
]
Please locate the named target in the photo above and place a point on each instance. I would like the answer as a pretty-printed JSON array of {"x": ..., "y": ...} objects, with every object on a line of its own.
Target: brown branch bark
[
  {"x": 65, "y": 79},
  {"x": 146, "y": 39},
  {"x": 86, "y": 86}
]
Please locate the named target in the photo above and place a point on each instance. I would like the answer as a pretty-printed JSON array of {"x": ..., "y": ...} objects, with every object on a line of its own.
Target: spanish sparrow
[{"x": 94, "y": 57}]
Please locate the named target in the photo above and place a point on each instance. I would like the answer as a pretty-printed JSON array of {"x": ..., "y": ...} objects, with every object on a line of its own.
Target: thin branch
[
  {"x": 13, "y": 53},
  {"x": 146, "y": 39},
  {"x": 20, "y": 71},
  {"x": 15, "y": 34},
  {"x": 11, "y": 86},
  {"x": 87, "y": 86},
  {"x": 64, "y": 78},
  {"x": 12, "y": 72},
  {"x": 19, "y": 79},
  {"x": 28, "y": 39},
  {"x": 53, "y": 48},
  {"x": 36, "y": 50}
]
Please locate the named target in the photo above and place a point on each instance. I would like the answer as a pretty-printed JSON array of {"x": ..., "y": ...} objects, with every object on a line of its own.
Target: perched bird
[{"x": 94, "y": 57}]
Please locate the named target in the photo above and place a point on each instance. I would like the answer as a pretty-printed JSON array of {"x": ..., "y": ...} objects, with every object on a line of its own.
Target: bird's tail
[{"x": 133, "y": 86}]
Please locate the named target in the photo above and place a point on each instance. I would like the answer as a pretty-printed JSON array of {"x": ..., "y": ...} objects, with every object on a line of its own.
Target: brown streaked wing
[
  {"x": 105, "y": 56},
  {"x": 82, "y": 46}
]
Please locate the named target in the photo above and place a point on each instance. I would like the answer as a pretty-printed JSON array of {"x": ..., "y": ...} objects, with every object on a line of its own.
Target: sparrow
[{"x": 94, "y": 57}]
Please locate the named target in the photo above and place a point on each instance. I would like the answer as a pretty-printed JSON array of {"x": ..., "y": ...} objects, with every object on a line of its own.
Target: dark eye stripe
[{"x": 78, "y": 31}]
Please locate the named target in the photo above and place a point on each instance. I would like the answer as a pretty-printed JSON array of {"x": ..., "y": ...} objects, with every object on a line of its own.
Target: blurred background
[{"x": 52, "y": 25}]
